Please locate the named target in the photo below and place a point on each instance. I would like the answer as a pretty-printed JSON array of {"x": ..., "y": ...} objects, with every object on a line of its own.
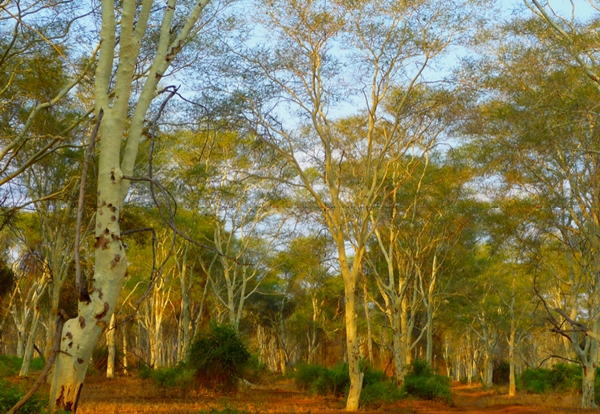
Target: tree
[
  {"x": 541, "y": 142},
  {"x": 38, "y": 76},
  {"x": 129, "y": 22},
  {"x": 388, "y": 43}
]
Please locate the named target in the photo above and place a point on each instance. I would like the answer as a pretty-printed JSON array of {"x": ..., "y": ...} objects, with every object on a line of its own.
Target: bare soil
[{"x": 134, "y": 395}]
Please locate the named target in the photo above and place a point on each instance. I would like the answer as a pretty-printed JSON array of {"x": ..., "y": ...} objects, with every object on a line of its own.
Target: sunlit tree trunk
[
  {"x": 588, "y": 399},
  {"x": 368, "y": 319},
  {"x": 112, "y": 92},
  {"x": 124, "y": 335},
  {"x": 110, "y": 344}
]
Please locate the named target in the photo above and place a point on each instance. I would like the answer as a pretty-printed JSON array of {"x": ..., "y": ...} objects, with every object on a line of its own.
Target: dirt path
[{"x": 134, "y": 395}]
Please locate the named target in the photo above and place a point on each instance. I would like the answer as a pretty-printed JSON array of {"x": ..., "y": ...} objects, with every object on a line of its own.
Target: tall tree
[
  {"x": 124, "y": 30},
  {"x": 387, "y": 43},
  {"x": 537, "y": 131}
]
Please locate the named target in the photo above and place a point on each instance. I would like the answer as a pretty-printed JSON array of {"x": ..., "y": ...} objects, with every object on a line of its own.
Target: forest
[{"x": 361, "y": 186}]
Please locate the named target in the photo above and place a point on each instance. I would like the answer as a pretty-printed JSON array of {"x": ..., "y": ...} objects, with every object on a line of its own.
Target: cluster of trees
[{"x": 321, "y": 188}]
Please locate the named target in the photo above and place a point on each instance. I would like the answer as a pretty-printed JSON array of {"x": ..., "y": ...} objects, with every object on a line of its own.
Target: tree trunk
[
  {"x": 512, "y": 387},
  {"x": 429, "y": 334},
  {"x": 399, "y": 350},
  {"x": 368, "y": 319},
  {"x": 124, "y": 334},
  {"x": 110, "y": 343},
  {"x": 587, "y": 387},
  {"x": 352, "y": 342},
  {"x": 81, "y": 334},
  {"x": 488, "y": 371},
  {"x": 30, "y": 342}
]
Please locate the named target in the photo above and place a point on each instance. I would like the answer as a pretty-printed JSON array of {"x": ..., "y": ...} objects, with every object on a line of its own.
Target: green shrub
[
  {"x": 337, "y": 380},
  {"x": 375, "y": 393},
  {"x": 307, "y": 375},
  {"x": 179, "y": 376},
  {"x": 10, "y": 395},
  {"x": 219, "y": 358},
  {"x": 145, "y": 371},
  {"x": 254, "y": 370},
  {"x": 10, "y": 365},
  {"x": 373, "y": 376},
  {"x": 377, "y": 388},
  {"x": 421, "y": 382},
  {"x": 323, "y": 381},
  {"x": 561, "y": 377},
  {"x": 37, "y": 364}
]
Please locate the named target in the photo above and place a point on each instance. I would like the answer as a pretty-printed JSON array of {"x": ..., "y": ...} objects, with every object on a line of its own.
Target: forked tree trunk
[{"x": 112, "y": 92}]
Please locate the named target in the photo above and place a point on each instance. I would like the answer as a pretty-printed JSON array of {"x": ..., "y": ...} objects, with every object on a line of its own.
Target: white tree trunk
[
  {"x": 124, "y": 334},
  {"x": 588, "y": 399},
  {"x": 28, "y": 355},
  {"x": 110, "y": 343}
]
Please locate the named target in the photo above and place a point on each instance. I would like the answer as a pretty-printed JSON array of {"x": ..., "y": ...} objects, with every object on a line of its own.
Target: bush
[
  {"x": 307, "y": 375},
  {"x": 10, "y": 395},
  {"x": 10, "y": 365},
  {"x": 321, "y": 380},
  {"x": 561, "y": 377},
  {"x": 219, "y": 357},
  {"x": 377, "y": 387},
  {"x": 373, "y": 394},
  {"x": 254, "y": 370},
  {"x": 421, "y": 382},
  {"x": 178, "y": 376}
]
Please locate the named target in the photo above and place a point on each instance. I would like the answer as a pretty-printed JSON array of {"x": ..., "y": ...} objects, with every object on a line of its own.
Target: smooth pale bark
[
  {"x": 428, "y": 299},
  {"x": 110, "y": 343},
  {"x": 588, "y": 399},
  {"x": 20, "y": 320},
  {"x": 124, "y": 334},
  {"x": 80, "y": 334},
  {"x": 368, "y": 319},
  {"x": 28, "y": 354},
  {"x": 311, "y": 334},
  {"x": 183, "y": 333}
]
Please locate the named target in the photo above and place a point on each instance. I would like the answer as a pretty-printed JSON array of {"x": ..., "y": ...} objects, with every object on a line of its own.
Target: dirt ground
[{"x": 134, "y": 395}]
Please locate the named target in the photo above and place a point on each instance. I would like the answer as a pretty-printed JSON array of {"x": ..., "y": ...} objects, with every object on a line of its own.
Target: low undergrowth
[
  {"x": 11, "y": 394},
  {"x": 318, "y": 379},
  {"x": 561, "y": 378},
  {"x": 422, "y": 383}
]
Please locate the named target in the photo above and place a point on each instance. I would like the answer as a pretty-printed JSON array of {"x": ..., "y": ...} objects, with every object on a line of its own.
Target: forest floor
[{"x": 135, "y": 395}]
